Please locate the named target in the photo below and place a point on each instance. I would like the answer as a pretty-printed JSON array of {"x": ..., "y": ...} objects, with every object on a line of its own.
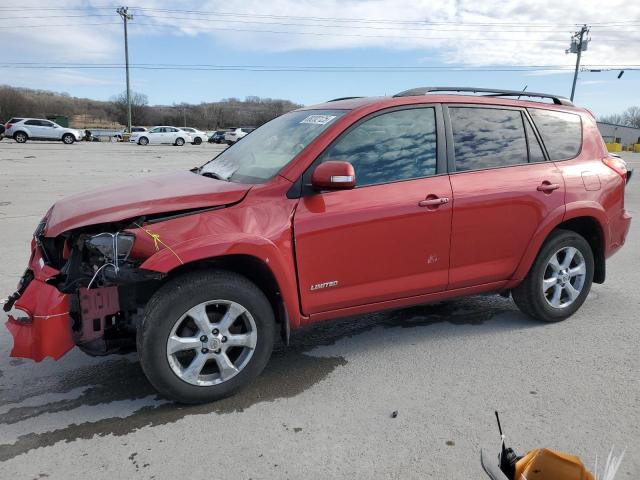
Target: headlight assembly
[{"x": 114, "y": 247}]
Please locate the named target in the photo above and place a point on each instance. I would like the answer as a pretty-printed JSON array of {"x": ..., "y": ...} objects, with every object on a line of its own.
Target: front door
[
  {"x": 156, "y": 135},
  {"x": 389, "y": 237},
  {"x": 503, "y": 188}
]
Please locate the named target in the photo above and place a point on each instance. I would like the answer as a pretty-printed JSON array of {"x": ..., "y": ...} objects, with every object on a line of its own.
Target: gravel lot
[{"x": 322, "y": 409}]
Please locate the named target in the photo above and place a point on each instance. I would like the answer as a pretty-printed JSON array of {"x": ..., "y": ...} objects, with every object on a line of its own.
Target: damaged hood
[{"x": 142, "y": 196}]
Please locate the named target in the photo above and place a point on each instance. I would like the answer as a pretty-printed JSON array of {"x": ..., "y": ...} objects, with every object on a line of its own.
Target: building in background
[{"x": 611, "y": 131}]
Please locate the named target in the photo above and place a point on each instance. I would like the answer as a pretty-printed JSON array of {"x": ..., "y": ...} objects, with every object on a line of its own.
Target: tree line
[
  {"x": 629, "y": 118},
  {"x": 86, "y": 113}
]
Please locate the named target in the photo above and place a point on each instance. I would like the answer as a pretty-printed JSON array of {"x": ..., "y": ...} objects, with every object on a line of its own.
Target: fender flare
[
  {"x": 213, "y": 246},
  {"x": 585, "y": 208}
]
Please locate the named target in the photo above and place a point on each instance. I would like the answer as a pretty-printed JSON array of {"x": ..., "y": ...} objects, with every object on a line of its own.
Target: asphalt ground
[{"x": 323, "y": 407}]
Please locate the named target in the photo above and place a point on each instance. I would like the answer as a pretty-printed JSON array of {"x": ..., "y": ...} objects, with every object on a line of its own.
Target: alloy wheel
[
  {"x": 564, "y": 277},
  {"x": 212, "y": 342}
]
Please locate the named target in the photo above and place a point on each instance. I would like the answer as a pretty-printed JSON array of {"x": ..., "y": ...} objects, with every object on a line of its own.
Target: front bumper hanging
[{"x": 45, "y": 329}]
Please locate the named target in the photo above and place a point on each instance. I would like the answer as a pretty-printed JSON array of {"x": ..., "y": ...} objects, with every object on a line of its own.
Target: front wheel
[
  {"x": 143, "y": 141},
  {"x": 179, "y": 142},
  {"x": 559, "y": 280},
  {"x": 205, "y": 335},
  {"x": 68, "y": 139},
  {"x": 197, "y": 141}
]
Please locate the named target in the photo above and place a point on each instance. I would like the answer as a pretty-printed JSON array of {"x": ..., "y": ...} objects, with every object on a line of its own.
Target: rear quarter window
[{"x": 561, "y": 132}]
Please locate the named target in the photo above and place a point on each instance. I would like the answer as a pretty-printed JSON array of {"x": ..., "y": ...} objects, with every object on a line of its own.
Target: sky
[{"x": 312, "y": 51}]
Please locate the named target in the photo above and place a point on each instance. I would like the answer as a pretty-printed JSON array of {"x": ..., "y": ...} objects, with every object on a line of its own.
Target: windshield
[{"x": 259, "y": 156}]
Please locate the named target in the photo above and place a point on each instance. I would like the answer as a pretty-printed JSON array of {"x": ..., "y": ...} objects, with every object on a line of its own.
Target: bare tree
[
  {"x": 632, "y": 117},
  {"x": 139, "y": 104}
]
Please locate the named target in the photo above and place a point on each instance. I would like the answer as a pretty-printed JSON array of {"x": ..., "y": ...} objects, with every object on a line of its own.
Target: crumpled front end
[{"x": 42, "y": 327}]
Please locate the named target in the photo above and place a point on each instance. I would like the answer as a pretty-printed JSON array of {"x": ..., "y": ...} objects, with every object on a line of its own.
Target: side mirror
[{"x": 334, "y": 175}]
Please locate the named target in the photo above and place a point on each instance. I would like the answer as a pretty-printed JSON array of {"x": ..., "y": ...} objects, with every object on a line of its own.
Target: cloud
[{"x": 531, "y": 33}]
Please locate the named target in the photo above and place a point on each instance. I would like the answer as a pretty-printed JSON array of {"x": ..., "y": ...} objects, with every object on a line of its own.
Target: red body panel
[
  {"x": 376, "y": 243},
  {"x": 495, "y": 214},
  {"x": 157, "y": 194}
]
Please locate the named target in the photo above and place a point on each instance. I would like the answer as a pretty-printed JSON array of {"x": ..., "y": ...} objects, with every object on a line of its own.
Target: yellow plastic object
[
  {"x": 545, "y": 464},
  {"x": 614, "y": 147},
  {"x": 636, "y": 147}
]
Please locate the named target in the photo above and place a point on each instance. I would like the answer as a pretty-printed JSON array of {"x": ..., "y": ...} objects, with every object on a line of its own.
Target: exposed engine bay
[{"x": 95, "y": 269}]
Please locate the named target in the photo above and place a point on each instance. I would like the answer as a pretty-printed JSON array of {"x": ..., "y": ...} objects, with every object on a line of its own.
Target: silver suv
[{"x": 23, "y": 129}]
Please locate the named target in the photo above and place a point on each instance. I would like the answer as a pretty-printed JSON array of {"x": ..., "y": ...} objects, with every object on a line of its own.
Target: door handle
[
  {"x": 548, "y": 187},
  {"x": 432, "y": 201}
]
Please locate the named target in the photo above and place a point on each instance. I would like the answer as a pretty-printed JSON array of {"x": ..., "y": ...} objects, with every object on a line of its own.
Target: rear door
[
  {"x": 503, "y": 188},
  {"x": 35, "y": 128},
  {"x": 387, "y": 238}
]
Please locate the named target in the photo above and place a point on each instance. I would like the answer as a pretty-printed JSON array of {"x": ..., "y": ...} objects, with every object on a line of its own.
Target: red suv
[{"x": 348, "y": 207}]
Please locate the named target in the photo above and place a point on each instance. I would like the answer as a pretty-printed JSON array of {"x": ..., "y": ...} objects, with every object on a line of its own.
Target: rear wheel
[
  {"x": 559, "y": 280},
  {"x": 68, "y": 138},
  {"x": 205, "y": 335},
  {"x": 179, "y": 142},
  {"x": 143, "y": 141},
  {"x": 20, "y": 137}
]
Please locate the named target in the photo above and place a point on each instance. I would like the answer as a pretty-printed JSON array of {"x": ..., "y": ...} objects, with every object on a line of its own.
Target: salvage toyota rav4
[{"x": 352, "y": 206}]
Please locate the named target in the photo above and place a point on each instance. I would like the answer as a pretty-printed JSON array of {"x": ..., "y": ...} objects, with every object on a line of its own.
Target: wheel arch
[
  {"x": 21, "y": 131},
  {"x": 256, "y": 258},
  {"x": 585, "y": 218}
]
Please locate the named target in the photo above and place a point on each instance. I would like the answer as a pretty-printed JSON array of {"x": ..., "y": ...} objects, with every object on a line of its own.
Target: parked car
[
  {"x": 161, "y": 135},
  {"x": 339, "y": 209},
  {"x": 197, "y": 136},
  {"x": 23, "y": 129},
  {"x": 234, "y": 134},
  {"x": 2, "y": 132},
  {"x": 217, "y": 137}
]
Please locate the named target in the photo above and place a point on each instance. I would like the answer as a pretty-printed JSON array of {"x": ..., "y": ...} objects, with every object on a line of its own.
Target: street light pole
[
  {"x": 123, "y": 12},
  {"x": 578, "y": 44}
]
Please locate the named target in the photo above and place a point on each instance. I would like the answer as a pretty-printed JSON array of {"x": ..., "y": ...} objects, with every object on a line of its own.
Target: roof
[{"x": 386, "y": 102}]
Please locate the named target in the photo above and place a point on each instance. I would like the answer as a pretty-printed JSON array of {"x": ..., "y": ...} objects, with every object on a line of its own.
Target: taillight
[
  {"x": 616, "y": 164},
  {"x": 7, "y": 125}
]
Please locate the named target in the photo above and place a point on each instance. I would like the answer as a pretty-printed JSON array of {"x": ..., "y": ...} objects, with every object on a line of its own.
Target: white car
[
  {"x": 160, "y": 135},
  {"x": 232, "y": 135},
  {"x": 23, "y": 129},
  {"x": 198, "y": 136}
]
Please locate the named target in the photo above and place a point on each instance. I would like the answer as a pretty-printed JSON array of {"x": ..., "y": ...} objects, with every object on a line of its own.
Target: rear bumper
[
  {"x": 42, "y": 327},
  {"x": 619, "y": 228}
]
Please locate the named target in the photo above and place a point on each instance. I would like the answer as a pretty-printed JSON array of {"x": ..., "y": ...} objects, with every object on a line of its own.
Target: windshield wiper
[{"x": 214, "y": 175}]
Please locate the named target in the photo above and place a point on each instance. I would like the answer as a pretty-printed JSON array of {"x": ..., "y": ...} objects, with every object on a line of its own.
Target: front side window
[
  {"x": 261, "y": 155},
  {"x": 394, "y": 146},
  {"x": 487, "y": 138},
  {"x": 561, "y": 132}
]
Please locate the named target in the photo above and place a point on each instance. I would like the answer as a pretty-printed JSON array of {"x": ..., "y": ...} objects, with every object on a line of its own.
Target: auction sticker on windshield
[{"x": 318, "y": 119}]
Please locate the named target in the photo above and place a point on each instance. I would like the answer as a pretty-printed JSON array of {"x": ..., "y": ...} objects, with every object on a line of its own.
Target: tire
[
  {"x": 537, "y": 295},
  {"x": 143, "y": 141},
  {"x": 68, "y": 139},
  {"x": 20, "y": 137},
  {"x": 197, "y": 141},
  {"x": 179, "y": 142},
  {"x": 167, "y": 315}
]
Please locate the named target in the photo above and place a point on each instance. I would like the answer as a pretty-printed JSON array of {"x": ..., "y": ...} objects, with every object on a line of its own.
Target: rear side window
[
  {"x": 561, "y": 132},
  {"x": 390, "y": 147},
  {"x": 487, "y": 138},
  {"x": 15, "y": 120},
  {"x": 33, "y": 122}
]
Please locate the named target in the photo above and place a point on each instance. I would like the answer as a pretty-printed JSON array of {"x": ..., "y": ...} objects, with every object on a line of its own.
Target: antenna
[{"x": 499, "y": 426}]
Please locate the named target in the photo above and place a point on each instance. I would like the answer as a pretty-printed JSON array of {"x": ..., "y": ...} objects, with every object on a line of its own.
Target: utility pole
[
  {"x": 124, "y": 13},
  {"x": 578, "y": 45}
]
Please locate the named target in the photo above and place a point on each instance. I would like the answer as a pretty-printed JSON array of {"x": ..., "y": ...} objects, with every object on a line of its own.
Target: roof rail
[
  {"x": 341, "y": 98},
  {"x": 491, "y": 92}
]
